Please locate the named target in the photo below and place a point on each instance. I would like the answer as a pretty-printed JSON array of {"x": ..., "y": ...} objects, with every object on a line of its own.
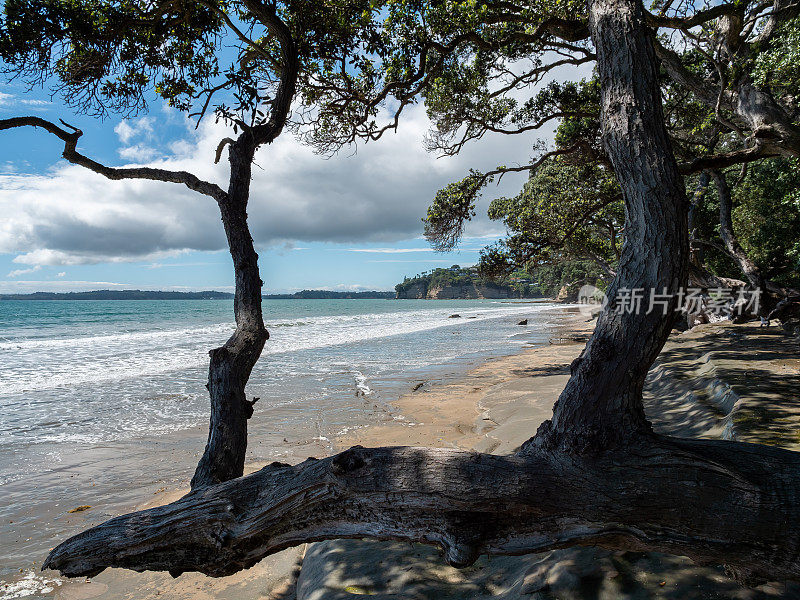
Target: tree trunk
[
  {"x": 232, "y": 364},
  {"x": 601, "y": 406},
  {"x": 748, "y": 267},
  {"x": 702, "y": 185}
]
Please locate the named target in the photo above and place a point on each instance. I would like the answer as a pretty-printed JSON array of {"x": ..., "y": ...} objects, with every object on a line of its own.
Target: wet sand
[{"x": 716, "y": 381}]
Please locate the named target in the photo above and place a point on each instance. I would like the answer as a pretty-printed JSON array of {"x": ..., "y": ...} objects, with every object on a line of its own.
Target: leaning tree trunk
[
  {"x": 748, "y": 267},
  {"x": 601, "y": 405},
  {"x": 231, "y": 364}
]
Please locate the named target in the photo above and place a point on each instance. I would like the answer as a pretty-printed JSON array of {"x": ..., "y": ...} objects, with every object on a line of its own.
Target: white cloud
[
  {"x": 424, "y": 261},
  {"x": 18, "y": 272},
  {"x": 46, "y": 256},
  {"x": 10, "y": 101},
  {"x": 62, "y": 274},
  {"x": 138, "y": 153},
  {"x": 73, "y": 216},
  {"x": 27, "y": 287},
  {"x": 157, "y": 265},
  {"x": 389, "y": 250},
  {"x": 126, "y": 130}
]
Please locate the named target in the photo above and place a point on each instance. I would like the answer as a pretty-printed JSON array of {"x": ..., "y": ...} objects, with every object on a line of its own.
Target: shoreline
[
  {"x": 134, "y": 473},
  {"x": 457, "y": 414},
  {"x": 715, "y": 381}
]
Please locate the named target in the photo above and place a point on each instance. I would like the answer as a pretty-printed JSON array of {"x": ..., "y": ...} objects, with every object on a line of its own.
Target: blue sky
[{"x": 347, "y": 222}]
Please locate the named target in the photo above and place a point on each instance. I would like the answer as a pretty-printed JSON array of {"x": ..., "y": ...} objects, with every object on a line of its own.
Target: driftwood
[{"x": 661, "y": 494}]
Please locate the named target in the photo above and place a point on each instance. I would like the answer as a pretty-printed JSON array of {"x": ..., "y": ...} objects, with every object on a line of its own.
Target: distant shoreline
[
  {"x": 204, "y": 295},
  {"x": 214, "y": 295}
]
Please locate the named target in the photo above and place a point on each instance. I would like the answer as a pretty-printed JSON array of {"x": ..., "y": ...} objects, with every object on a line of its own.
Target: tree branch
[
  {"x": 532, "y": 167},
  {"x": 664, "y": 495},
  {"x": 698, "y": 18},
  {"x": 726, "y": 159},
  {"x": 70, "y": 139}
]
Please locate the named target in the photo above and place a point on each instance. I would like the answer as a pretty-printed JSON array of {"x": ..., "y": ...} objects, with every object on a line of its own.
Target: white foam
[
  {"x": 362, "y": 389},
  {"x": 29, "y": 585},
  {"x": 65, "y": 362}
]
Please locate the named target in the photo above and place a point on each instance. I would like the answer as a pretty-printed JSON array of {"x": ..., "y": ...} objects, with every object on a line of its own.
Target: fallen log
[{"x": 713, "y": 501}]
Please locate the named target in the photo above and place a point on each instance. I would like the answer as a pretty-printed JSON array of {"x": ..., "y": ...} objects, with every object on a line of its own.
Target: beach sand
[{"x": 715, "y": 381}]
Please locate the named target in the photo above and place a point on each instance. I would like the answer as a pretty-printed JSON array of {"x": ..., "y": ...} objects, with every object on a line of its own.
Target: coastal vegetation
[
  {"x": 682, "y": 96},
  {"x": 571, "y": 208},
  {"x": 328, "y": 295},
  {"x": 456, "y": 282}
]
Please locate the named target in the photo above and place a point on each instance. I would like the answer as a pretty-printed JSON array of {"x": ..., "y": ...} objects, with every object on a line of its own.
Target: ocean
[{"x": 103, "y": 403}]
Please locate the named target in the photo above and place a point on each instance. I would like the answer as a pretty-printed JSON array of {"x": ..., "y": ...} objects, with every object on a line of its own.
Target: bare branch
[
  {"x": 698, "y": 18},
  {"x": 532, "y": 167},
  {"x": 71, "y": 154},
  {"x": 224, "y": 142}
]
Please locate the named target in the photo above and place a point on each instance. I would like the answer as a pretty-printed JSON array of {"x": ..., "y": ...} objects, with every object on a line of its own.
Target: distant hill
[
  {"x": 120, "y": 295},
  {"x": 209, "y": 295},
  {"x": 329, "y": 295},
  {"x": 455, "y": 282}
]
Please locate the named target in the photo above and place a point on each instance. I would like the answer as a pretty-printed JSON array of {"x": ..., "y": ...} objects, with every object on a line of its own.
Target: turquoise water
[
  {"x": 104, "y": 401},
  {"x": 95, "y": 371}
]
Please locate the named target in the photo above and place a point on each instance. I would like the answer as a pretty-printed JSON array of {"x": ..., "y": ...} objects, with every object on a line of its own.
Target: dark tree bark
[
  {"x": 713, "y": 501},
  {"x": 231, "y": 365},
  {"x": 594, "y": 475},
  {"x": 748, "y": 267},
  {"x": 601, "y": 406}
]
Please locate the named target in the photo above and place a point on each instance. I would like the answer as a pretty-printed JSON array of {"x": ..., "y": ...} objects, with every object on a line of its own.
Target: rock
[
  {"x": 523, "y": 322},
  {"x": 454, "y": 316}
]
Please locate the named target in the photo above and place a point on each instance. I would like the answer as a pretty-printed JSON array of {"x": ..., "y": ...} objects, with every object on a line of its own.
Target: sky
[{"x": 347, "y": 222}]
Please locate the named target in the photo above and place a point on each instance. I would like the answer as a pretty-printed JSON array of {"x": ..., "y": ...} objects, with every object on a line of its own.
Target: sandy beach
[{"x": 718, "y": 380}]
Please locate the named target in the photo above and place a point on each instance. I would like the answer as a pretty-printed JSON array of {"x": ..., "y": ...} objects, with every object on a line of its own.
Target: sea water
[{"x": 100, "y": 400}]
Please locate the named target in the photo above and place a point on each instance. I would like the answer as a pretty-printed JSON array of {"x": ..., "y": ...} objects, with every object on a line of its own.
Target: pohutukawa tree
[
  {"x": 596, "y": 473},
  {"x": 116, "y": 55}
]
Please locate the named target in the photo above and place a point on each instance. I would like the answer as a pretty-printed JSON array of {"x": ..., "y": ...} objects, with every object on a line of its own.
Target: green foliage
[
  {"x": 107, "y": 55},
  {"x": 766, "y": 218},
  {"x": 519, "y": 282},
  {"x": 217, "y": 55},
  {"x": 550, "y": 278},
  {"x": 457, "y": 56},
  {"x": 563, "y": 212},
  {"x": 452, "y": 207},
  {"x": 778, "y": 66}
]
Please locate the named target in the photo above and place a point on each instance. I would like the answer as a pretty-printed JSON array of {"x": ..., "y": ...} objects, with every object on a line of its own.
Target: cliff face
[
  {"x": 414, "y": 292},
  {"x": 471, "y": 291}
]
